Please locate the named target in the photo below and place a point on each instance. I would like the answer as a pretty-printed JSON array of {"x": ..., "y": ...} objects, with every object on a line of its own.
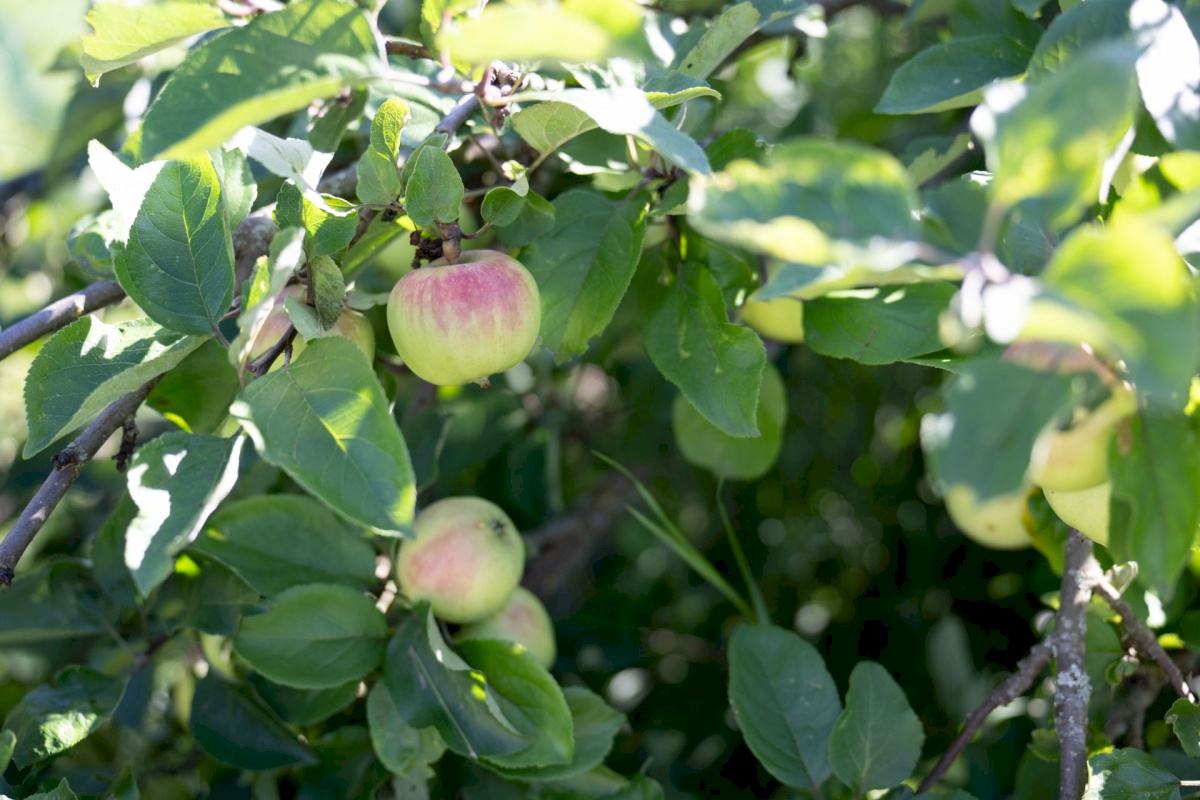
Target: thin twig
[
  {"x": 1145, "y": 642},
  {"x": 1012, "y": 687},
  {"x": 1072, "y": 688},
  {"x": 57, "y": 315},
  {"x": 458, "y": 115},
  {"x": 407, "y": 49},
  {"x": 67, "y": 465},
  {"x": 262, "y": 365}
]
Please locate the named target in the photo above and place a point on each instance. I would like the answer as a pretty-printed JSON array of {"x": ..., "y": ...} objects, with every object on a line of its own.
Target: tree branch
[
  {"x": 407, "y": 49},
  {"x": 1072, "y": 689},
  {"x": 1145, "y": 642},
  {"x": 68, "y": 463},
  {"x": 262, "y": 365},
  {"x": 1012, "y": 687},
  {"x": 57, "y": 315}
]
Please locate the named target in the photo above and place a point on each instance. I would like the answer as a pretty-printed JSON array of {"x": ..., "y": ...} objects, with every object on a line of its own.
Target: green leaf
[
  {"x": 432, "y": 685},
  {"x": 583, "y": 266},
  {"x": 60, "y": 792},
  {"x": 196, "y": 393},
  {"x": 314, "y": 636},
  {"x": 1030, "y": 8},
  {"x": 926, "y": 158},
  {"x": 1128, "y": 774},
  {"x": 1168, "y": 70},
  {"x": 502, "y": 206},
  {"x": 87, "y": 365},
  {"x": 177, "y": 263},
  {"x": 1184, "y": 719},
  {"x": 378, "y": 174},
  {"x": 721, "y": 38},
  {"x": 1155, "y": 473},
  {"x": 279, "y": 62},
  {"x": 400, "y": 747},
  {"x": 735, "y": 144},
  {"x": 58, "y": 601},
  {"x": 785, "y": 701},
  {"x": 328, "y": 126},
  {"x": 329, "y": 289},
  {"x": 8, "y": 743},
  {"x": 212, "y": 601},
  {"x": 812, "y": 202},
  {"x": 993, "y": 407},
  {"x": 1077, "y": 29},
  {"x": 54, "y": 718},
  {"x": 530, "y": 700},
  {"x": 535, "y": 220},
  {"x": 717, "y": 365},
  {"x": 232, "y": 726},
  {"x": 125, "y": 786},
  {"x": 594, "y": 724},
  {"x": 1055, "y": 171},
  {"x": 673, "y": 87},
  {"x": 124, "y": 34},
  {"x": 324, "y": 420},
  {"x": 327, "y": 229},
  {"x": 1122, "y": 288},
  {"x": 734, "y": 458},
  {"x": 878, "y": 326},
  {"x": 952, "y": 74},
  {"x": 304, "y": 706},
  {"x": 239, "y": 190},
  {"x": 433, "y": 190},
  {"x": 876, "y": 741},
  {"x": 561, "y": 116},
  {"x": 276, "y": 542},
  {"x": 261, "y": 291},
  {"x": 176, "y": 480}
]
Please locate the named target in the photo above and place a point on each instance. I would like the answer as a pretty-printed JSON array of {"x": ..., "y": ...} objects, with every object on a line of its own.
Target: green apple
[
  {"x": 351, "y": 325},
  {"x": 523, "y": 620},
  {"x": 1077, "y": 458},
  {"x": 465, "y": 559},
  {"x": 1086, "y": 510},
  {"x": 996, "y": 522},
  {"x": 457, "y": 323},
  {"x": 781, "y": 319}
]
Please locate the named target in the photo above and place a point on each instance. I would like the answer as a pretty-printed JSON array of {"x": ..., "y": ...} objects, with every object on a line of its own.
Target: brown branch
[
  {"x": 68, "y": 463},
  {"x": 458, "y": 115},
  {"x": 1012, "y": 687},
  {"x": 1145, "y": 642},
  {"x": 262, "y": 365},
  {"x": 1072, "y": 688},
  {"x": 58, "y": 314},
  {"x": 407, "y": 49}
]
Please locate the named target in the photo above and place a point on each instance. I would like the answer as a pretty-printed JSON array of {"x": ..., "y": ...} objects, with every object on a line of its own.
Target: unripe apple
[
  {"x": 996, "y": 522},
  {"x": 1077, "y": 458},
  {"x": 458, "y": 323},
  {"x": 781, "y": 319},
  {"x": 1086, "y": 510},
  {"x": 351, "y": 325},
  {"x": 523, "y": 620},
  {"x": 465, "y": 559}
]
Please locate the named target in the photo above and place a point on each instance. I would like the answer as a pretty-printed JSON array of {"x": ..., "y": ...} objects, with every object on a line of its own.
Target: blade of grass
[{"x": 761, "y": 615}]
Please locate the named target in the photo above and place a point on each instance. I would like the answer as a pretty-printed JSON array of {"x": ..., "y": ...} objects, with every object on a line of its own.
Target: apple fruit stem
[{"x": 451, "y": 241}]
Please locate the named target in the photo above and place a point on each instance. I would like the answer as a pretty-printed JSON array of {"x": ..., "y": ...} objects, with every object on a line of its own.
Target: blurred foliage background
[{"x": 854, "y": 549}]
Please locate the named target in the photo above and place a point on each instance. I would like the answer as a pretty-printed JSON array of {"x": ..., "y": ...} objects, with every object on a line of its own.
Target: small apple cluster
[
  {"x": 1069, "y": 464},
  {"x": 466, "y": 559}
]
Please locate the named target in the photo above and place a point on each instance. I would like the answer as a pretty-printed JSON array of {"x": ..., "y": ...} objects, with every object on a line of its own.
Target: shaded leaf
[
  {"x": 232, "y": 726},
  {"x": 877, "y": 739},
  {"x": 878, "y": 326},
  {"x": 54, "y": 718},
  {"x": 952, "y": 74}
]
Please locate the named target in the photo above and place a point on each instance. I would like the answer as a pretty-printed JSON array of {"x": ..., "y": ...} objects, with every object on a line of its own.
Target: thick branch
[
  {"x": 1073, "y": 689},
  {"x": 67, "y": 465},
  {"x": 1012, "y": 687},
  {"x": 458, "y": 115},
  {"x": 1145, "y": 642},
  {"x": 57, "y": 315}
]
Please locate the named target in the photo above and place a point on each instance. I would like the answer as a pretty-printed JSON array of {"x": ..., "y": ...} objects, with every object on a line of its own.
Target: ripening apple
[
  {"x": 351, "y": 325},
  {"x": 523, "y": 620},
  {"x": 458, "y": 323},
  {"x": 1086, "y": 510},
  {"x": 465, "y": 559},
  {"x": 996, "y": 522},
  {"x": 1077, "y": 458},
  {"x": 781, "y": 319}
]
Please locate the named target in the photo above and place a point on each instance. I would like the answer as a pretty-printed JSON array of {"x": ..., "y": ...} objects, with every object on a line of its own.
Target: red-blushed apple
[
  {"x": 1085, "y": 510},
  {"x": 523, "y": 620},
  {"x": 351, "y": 325},
  {"x": 997, "y": 522},
  {"x": 781, "y": 319},
  {"x": 457, "y": 323},
  {"x": 1076, "y": 458},
  {"x": 465, "y": 559}
]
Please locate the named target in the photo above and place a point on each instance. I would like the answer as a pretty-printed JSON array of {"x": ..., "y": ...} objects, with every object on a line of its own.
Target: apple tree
[{"x": 600, "y": 399}]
